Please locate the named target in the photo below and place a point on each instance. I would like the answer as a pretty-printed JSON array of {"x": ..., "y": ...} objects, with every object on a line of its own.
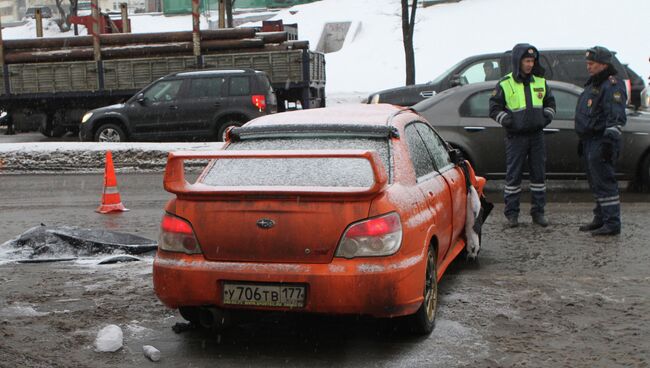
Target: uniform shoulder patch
[
  {"x": 494, "y": 92},
  {"x": 617, "y": 97},
  {"x": 612, "y": 79}
]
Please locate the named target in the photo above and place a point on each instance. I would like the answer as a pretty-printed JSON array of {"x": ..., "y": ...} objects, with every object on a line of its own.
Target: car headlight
[
  {"x": 86, "y": 117},
  {"x": 374, "y": 99}
]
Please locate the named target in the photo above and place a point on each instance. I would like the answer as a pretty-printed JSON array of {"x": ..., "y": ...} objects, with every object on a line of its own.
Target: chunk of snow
[{"x": 109, "y": 339}]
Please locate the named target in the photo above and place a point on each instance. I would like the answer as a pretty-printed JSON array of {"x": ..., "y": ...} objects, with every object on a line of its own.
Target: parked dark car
[
  {"x": 461, "y": 116},
  {"x": 561, "y": 65},
  {"x": 46, "y": 12},
  {"x": 184, "y": 106}
]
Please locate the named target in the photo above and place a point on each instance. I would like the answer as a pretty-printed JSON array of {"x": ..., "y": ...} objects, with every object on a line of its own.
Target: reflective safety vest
[{"x": 515, "y": 96}]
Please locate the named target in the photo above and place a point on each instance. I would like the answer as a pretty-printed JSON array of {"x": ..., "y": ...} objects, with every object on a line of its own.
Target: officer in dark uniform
[
  {"x": 523, "y": 104},
  {"x": 600, "y": 116}
]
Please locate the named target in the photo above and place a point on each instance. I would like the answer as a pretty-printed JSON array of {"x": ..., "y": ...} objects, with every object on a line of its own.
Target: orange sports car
[{"x": 349, "y": 210}]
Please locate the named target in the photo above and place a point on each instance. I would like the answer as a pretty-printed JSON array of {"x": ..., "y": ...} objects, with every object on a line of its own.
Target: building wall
[{"x": 9, "y": 11}]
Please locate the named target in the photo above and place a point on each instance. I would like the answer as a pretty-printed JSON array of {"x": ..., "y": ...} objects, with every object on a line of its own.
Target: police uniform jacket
[
  {"x": 601, "y": 106},
  {"x": 523, "y": 104}
]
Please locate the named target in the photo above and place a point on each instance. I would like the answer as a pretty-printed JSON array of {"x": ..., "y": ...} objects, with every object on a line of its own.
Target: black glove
[
  {"x": 580, "y": 149},
  {"x": 607, "y": 151},
  {"x": 507, "y": 121}
]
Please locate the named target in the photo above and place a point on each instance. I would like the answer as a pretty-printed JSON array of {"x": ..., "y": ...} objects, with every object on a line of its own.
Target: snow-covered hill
[{"x": 372, "y": 57}]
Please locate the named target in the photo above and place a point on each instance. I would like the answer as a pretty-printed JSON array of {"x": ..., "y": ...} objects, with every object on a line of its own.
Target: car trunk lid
[{"x": 242, "y": 209}]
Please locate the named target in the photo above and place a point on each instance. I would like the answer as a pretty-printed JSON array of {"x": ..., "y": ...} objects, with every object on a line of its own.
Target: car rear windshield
[{"x": 299, "y": 172}]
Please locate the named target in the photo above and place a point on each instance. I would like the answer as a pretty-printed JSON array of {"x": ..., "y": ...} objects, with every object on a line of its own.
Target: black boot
[
  {"x": 513, "y": 221},
  {"x": 540, "y": 219},
  {"x": 593, "y": 225},
  {"x": 605, "y": 230}
]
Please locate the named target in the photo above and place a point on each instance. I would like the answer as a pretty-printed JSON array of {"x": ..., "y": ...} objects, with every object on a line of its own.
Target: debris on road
[
  {"x": 48, "y": 244},
  {"x": 109, "y": 339},
  {"x": 152, "y": 353}
]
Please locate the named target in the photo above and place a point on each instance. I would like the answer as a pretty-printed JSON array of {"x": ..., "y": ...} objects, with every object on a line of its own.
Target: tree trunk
[
  {"x": 229, "y": 5},
  {"x": 408, "y": 26},
  {"x": 62, "y": 22}
]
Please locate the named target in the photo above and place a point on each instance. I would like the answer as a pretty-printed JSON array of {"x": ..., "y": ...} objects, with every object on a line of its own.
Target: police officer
[
  {"x": 600, "y": 116},
  {"x": 523, "y": 104}
]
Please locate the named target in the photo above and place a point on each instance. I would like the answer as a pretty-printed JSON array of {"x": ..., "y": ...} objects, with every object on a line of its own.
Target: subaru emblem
[{"x": 265, "y": 223}]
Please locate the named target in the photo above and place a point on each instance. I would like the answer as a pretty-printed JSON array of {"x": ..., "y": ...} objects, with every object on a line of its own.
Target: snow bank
[{"x": 80, "y": 157}]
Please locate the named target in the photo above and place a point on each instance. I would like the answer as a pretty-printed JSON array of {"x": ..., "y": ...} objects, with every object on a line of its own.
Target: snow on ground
[{"x": 372, "y": 57}]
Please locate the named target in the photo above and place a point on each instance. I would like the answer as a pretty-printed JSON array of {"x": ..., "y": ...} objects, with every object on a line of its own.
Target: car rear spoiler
[{"x": 174, "y": 180}]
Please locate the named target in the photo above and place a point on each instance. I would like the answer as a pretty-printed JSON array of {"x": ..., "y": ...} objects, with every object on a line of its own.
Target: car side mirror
[
  {"x": 141, "y": 99},
  {"x": 455, "y": 80},
  {"x": 456, "y": 156}
]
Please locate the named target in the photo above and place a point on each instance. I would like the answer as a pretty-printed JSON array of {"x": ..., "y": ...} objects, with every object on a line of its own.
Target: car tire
[
  {"x": 109, "y": 133},
  {"x": 424, "y": 320},
  {"x": 221, "y": 132},
  {"x": 190, "y": 314}
]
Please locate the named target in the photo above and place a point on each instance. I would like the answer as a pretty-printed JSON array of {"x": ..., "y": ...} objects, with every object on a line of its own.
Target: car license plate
[{"x": 270, "y": 295}]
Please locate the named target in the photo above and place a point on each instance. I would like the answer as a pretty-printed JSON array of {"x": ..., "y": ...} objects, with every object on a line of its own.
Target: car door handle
[
  {"x": 217, "y": 104},
  {"x": 474, "y": 128},
  {"x": 173, "y": 107},
  {"x": 551, "y": 130},
  {"x": 427, "y": 94}
]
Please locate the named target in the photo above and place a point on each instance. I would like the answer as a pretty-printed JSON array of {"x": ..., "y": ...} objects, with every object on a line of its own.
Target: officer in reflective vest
[
  {"x": 523, "y": 104},
  {"x": 600, "y": 117}
]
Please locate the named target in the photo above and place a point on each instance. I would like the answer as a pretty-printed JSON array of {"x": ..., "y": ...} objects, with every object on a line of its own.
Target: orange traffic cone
[{"x": 111, "y": 201}]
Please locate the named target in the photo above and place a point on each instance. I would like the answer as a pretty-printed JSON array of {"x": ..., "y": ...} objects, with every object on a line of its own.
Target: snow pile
[
  {"x": 372, "y": 57},
  {"x": 109, "y": 339},
  {"x": 88, "y": 157},
  {"x": 21, "y": 311}
]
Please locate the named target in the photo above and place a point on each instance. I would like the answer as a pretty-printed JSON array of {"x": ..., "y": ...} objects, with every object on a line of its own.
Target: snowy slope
[{"x": 372, "y": 57}]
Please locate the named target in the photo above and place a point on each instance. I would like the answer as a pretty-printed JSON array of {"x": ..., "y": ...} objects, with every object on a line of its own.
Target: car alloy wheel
[
  {"x": 424, "y": 320},
  {"x": 431, "y": 288},
  {"x": 110, "y": 133}
]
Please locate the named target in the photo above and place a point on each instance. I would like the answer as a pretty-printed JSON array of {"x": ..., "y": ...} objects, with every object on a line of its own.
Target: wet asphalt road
[{"x": 537, "y": 297}]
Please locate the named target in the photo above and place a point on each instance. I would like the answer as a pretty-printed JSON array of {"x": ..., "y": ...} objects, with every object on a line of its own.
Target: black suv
[
  {"x": 195, "y": 105},
  {"x": 561, "y": 65}
]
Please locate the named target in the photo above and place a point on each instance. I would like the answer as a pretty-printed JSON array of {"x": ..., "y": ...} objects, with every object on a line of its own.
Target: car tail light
[
  {"x": 628, "y": 90},
  {"x": 259, "y": 101},
  {"x": 379, "y": 236},
  {"x": 176, "y": 235}
]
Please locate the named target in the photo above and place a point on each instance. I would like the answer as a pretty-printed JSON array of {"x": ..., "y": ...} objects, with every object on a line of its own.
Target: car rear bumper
[{"x": 380, "y": 287}]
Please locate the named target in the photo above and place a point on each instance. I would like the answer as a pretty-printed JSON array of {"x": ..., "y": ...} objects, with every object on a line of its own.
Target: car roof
[
  {"x": 208, "y": 72},
  {"x": 357, "y": 114},
  {"x": 475, "y": 87}
]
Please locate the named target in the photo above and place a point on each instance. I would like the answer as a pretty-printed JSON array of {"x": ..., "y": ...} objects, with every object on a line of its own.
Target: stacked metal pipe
[{"x": 126, "y": 45}]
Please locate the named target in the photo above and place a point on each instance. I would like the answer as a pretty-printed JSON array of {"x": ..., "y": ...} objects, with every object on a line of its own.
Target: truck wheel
[
  {"x": 221, "y": 133},
  {"x": 49, "y": 131},
  {"x": 424, "y": 320},
  {"x": 110, "y": 133}
]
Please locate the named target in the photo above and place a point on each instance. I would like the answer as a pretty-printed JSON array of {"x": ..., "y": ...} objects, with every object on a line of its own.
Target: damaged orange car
[{"x": 349, "y": 210}]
